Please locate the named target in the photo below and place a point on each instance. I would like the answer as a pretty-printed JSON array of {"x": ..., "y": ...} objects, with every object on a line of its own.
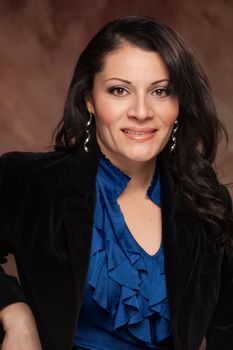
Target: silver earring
[
  {"x": 88, "y": 135},
  {"x": 176, "y": 126}
]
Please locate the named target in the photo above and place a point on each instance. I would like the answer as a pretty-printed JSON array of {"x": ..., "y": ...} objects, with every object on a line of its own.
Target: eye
[
  {"x": 118, "y": 91},
  {"x": 162, "y": 92}
]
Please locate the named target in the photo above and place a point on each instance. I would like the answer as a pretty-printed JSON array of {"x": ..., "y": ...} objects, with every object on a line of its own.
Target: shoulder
[
  {"x": 50, "y": 172},
  {"x": 32, "y": 160},
  {"x": 26, "y": 173},
  {"x": 22, "y": 166}
]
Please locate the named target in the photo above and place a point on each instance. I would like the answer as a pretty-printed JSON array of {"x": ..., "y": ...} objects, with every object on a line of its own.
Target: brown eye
[
  {"x": 118, "y": 91},
  {"x": 161, "y": 92}
]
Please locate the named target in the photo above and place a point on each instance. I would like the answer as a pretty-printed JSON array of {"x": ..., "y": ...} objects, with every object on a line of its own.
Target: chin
[{"x": 142, "y": 156}]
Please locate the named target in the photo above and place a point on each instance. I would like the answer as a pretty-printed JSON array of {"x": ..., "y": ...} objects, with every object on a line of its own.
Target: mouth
[
  {"x": 134, "y": 131},
  {"x": 139, "y": 134}
]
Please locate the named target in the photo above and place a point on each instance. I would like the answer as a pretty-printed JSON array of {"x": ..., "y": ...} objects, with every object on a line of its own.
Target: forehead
[{"x": 133, "y": 61}]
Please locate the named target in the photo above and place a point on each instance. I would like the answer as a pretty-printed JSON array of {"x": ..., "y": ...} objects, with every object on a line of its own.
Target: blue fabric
[{"x": 125, "y": 303}]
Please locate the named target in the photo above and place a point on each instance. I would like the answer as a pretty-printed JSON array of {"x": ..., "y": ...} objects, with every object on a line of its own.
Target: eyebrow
[{"x": 129, "y": 82}]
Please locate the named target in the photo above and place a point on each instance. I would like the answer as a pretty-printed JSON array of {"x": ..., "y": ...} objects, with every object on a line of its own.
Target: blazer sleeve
[
  {"x": 10, "y": 290},
  {"x": 220, "y": 331}
]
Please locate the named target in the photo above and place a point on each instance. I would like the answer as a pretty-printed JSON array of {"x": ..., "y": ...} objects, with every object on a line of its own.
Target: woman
[{"x": 158, "y": 274}]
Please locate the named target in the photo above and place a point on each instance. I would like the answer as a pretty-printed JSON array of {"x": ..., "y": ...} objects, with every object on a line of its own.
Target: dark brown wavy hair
[{"x": 199, "y": 129}]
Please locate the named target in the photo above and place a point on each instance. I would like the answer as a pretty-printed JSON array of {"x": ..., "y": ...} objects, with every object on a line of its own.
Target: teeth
[{"x": 137, "y": 132}]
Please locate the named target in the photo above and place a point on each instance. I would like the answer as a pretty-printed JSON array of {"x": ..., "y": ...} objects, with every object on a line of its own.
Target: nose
[{"x": 140, "y": 108}]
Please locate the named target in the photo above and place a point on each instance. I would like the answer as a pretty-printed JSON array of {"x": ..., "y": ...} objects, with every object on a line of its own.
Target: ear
[{"x": 89, "y": 104}]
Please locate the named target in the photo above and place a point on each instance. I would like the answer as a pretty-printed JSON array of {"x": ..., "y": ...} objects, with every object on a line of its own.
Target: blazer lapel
[
  {"x": 78, "y": 212},
  {"x": 180, "y": 240}
]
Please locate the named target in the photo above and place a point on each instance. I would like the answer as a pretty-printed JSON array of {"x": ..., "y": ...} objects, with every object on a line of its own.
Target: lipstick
[{"x": 139, "y": 134}]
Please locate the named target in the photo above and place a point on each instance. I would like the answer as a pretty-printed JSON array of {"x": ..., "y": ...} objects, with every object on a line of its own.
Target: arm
[
  {"x": 16, "y": 318},
  {"x": 220, "y": 331},
  {"x": 20, "y": 328}
]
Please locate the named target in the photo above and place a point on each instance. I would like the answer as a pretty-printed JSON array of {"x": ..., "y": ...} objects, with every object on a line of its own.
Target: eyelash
[
  {"x": 163, "y": 90},
  {"x": 114, "y": 89}
]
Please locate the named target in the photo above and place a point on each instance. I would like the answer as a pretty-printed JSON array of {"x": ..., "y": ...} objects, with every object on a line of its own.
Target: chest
[{"x": 143, "y": 218}]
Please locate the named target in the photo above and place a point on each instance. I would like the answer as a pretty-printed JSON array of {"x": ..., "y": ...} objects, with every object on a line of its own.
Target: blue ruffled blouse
[{"x": 125, "y": 304}]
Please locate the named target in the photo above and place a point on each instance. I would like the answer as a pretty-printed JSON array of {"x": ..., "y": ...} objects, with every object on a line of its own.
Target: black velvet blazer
[{"x": 47, "y": 205}]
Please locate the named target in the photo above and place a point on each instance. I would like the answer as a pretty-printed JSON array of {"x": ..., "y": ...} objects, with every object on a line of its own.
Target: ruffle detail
[
  {"x": 124, "y": 274},
  {"x": 128, "y": 284}
]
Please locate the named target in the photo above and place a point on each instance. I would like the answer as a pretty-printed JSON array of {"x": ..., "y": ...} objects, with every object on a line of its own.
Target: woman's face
[{"x": 133, "y": 104}]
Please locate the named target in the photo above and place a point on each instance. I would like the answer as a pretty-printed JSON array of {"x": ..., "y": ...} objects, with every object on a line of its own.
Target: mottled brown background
[{"x": 40, "y": 40}]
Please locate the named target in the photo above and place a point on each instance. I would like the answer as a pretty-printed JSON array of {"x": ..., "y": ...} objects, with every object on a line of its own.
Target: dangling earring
[
  {"x": 176, "y": 126},
  {"x": 88, "y": 135}
]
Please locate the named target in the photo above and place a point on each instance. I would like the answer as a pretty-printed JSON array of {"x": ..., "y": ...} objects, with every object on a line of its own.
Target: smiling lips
[{"x": 139, "y": 134}]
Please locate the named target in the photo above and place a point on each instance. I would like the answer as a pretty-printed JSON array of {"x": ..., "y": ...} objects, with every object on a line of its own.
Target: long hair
[{"x": 199, "y": 128}]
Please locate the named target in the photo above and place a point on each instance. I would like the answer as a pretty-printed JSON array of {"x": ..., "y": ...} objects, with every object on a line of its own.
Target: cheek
[
  {"x": 105, "y": 112},
  {"x": 169, "y": 115},
  {"x": 103, "y": 117},
  {"x": 105, "y": 123}
]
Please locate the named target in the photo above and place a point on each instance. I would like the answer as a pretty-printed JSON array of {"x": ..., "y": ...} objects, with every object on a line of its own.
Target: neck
[{"x": 141, "y": 173}]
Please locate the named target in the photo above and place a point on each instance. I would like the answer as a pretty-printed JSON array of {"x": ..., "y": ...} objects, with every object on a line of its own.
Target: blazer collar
[
  {"x": 181, "y": 238},
  {"x": 82, "y": 178},
  {"x": 171, "y": 199},
  {"x": 83, "y": 171}
]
